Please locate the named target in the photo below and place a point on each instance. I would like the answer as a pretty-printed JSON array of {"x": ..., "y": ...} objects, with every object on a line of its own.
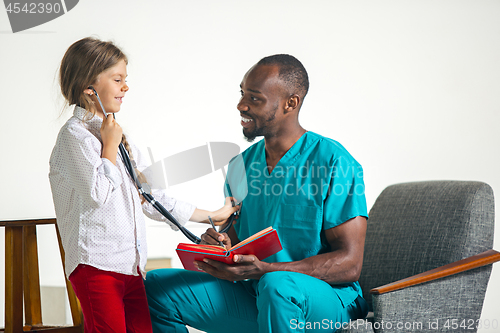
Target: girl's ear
[{"x": 88, "y": 91}]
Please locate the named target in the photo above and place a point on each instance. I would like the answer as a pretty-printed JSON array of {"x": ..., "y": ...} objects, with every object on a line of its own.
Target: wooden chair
[{"x": 22, "y": 281}]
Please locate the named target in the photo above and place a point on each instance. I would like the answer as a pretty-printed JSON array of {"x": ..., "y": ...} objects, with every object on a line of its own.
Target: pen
[{"x": 213, "y": 226}]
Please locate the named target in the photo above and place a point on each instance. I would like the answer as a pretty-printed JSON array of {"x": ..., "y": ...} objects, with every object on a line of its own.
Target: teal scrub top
[{"x": 317, "y": 185}]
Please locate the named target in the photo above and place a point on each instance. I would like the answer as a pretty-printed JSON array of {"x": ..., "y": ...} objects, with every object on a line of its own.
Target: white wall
[{"x": 411, "y": 88}]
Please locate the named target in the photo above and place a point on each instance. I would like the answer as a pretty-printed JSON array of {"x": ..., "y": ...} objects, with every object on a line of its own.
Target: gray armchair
[{"x": 428, "y": 257}]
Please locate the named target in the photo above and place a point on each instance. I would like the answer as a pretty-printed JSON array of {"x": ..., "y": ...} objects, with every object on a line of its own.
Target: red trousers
[{"x": 111, "y": 302}]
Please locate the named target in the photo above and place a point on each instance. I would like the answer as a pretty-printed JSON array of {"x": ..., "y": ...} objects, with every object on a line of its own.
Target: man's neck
[{"x": 278, "y": 145}]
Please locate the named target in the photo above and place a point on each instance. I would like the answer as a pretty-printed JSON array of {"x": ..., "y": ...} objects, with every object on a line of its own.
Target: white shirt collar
[{"x": 92, "y": 124}]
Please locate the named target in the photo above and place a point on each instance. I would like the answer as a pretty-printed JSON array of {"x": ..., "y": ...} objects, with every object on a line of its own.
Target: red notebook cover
[{"x": 262, "y": 244}]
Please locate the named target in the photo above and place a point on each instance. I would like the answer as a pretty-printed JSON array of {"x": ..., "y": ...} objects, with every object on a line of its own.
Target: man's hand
[
  {"x": 244, "y": 267},
  {"x": 212, "y": 237}
]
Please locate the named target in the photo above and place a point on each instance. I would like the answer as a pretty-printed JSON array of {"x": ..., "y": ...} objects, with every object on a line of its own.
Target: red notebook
[{"x": 262, "y": 244}]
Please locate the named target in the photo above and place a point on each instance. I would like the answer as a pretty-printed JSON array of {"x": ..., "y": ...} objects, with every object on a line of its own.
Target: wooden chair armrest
[
  {"x": 21, "y": 223},
  {"x": 482, "y": 259}
]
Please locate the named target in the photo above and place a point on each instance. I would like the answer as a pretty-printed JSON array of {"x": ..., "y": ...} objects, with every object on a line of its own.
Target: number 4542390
[
  {"x": 470, "y": 324},
  {"x": 33, "y": 8}
]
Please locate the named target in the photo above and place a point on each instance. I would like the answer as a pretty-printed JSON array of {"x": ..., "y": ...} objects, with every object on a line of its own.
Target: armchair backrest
[{"x": 415, "y": 227}]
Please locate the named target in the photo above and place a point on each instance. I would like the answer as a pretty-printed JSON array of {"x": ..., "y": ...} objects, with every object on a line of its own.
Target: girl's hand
[
  {"x": 111, "y": 134},
  {"x": 219, "y": 216}
]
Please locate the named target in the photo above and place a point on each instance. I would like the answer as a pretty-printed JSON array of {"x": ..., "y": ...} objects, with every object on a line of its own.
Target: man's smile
[{"x": 245, "y": 122}]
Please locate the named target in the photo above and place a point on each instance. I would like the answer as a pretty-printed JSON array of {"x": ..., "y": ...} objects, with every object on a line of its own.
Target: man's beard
[
  {"x": 252, "y": 135},
  {"x": 261, "y": 131}
]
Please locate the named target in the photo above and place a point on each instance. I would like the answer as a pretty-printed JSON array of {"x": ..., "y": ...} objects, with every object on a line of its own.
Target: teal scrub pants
[{"x": 278, "y": 302}]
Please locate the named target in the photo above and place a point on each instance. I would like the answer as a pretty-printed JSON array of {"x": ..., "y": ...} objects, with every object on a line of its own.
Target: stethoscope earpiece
[
  {"x": 100, "y": 103},
  {"x": 91, "y": 92}
]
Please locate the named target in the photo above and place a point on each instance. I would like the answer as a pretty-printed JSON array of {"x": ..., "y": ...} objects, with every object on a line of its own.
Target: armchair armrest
[{"x": 479, "y": 260}]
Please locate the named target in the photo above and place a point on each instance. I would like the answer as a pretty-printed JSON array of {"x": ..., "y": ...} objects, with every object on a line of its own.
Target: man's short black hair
[{"x": 291, "y": 71}]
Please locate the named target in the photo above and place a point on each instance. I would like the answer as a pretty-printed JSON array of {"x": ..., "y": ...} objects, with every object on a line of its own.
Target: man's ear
[{"x": 292, "y": 103}]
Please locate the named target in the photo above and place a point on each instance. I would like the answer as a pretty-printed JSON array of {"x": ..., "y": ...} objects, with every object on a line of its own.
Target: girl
[{"x": 98, "y": 207}]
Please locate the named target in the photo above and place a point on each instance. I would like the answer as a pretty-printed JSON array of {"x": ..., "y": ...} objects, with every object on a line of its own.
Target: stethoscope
[{"x": 145, "y": 190}]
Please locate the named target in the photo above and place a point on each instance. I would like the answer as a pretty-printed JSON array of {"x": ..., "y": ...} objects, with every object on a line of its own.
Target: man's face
[{"x": 261, "y": 98}]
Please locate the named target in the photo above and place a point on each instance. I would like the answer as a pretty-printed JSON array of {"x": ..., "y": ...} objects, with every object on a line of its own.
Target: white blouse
[{"x": 98, "y": 208}]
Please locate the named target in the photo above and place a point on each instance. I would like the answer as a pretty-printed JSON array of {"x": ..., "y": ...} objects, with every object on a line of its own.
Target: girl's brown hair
[{"x": 81, "y": 65}]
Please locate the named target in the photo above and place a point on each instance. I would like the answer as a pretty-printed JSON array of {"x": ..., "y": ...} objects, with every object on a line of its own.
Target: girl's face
[{"x": 111, "y": 87}]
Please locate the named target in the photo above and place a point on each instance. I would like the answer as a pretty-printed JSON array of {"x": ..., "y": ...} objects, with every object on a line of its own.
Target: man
[{"x": 308, "y": 188}]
